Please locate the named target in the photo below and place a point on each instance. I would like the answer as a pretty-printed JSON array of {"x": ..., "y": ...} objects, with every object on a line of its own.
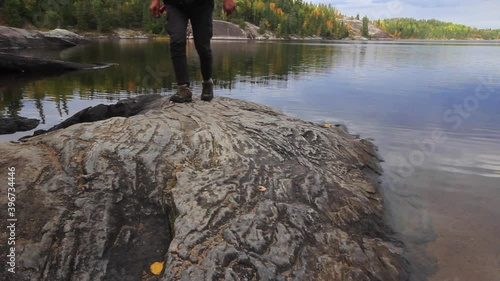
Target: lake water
[{"x": 432, "y": 108}]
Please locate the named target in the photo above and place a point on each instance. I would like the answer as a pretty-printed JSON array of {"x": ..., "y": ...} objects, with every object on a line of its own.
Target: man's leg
[
  {"x": 201, "y": 21},
  {"x": 176, "y": 28}
]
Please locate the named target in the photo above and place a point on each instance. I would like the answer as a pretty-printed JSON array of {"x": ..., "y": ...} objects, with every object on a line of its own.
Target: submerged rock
[
  {"x": 123, "y": 108},
  {"x": 221, "y": 190},
  {"x": 9, "y": 125},
  {"x": 11, "y": 64}
]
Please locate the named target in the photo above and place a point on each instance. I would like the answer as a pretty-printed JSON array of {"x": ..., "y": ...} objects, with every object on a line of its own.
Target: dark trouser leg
[
  {"x": 201, "y": 21},
  {"x": 176, "y": 28}
]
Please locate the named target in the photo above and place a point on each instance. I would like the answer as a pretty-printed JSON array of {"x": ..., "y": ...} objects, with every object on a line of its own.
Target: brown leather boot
[
  {"x": 183, "y": 95},
  {"x": 207, "y": 93}
]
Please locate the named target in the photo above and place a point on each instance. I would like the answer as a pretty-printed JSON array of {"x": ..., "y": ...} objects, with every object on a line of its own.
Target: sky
[{"x": 475, "y": 13}]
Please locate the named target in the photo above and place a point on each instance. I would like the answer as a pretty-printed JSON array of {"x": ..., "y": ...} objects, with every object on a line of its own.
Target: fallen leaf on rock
[
  {"x": 156, "y": 268},
  {"x": 327, "y": 125},
  {"x": 261, "y": 188}
]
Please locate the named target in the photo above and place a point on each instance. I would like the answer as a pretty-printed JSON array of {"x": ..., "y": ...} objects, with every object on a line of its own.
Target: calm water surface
[{"x": 432, "y": 108}]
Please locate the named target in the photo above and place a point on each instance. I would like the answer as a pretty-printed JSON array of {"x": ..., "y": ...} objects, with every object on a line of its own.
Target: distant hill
[
  {"x": 283, "y": 18},
  {"x": 409, "y": 28}
]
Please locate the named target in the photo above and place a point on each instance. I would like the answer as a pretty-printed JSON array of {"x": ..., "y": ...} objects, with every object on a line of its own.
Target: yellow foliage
[
  {"x": 304, "y": 25},
  {"x": 272, "y": 5},
  {"x": 156, "y": 268},
  {"x": 258, "y": 5},
  {"x": 329, "y": 24},
  {"x": 279, "y": 12}
]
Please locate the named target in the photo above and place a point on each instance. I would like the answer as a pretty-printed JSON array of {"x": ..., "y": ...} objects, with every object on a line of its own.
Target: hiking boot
[
  {"x": 207, "y": 93},
  {"x": 183, "y": 95}
]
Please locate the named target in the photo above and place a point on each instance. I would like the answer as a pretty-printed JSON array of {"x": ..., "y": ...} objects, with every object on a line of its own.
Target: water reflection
[
  {"x": 144, "y": 67},
  {"x": 395, "y": 93}
]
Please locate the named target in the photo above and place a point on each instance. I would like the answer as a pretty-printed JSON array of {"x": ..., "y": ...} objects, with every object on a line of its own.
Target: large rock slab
[
  {"x": 179, "y": 184},
  {"x": 227, "y": 30},
  {"x": 17, "y": 38}
]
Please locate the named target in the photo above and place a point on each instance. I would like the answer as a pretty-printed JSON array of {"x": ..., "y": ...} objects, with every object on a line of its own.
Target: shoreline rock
[
  {"x": 16, "y": 38},
  {"x": 223, "y": 190}
]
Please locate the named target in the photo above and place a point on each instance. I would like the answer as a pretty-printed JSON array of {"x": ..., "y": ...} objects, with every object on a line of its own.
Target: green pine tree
[{"x": 364, "y": 29}]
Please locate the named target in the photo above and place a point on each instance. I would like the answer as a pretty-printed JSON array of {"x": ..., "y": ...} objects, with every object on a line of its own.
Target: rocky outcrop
[
  {"x": 373, "y": 31},
  {"x": 10, "y": 125},
  {"x": 64, "y": 37},
  {"x": 16, "y": 38},
  {"x": 253, "y": 32},
  {"x": 223, "y": 30},
  {"x": 226, "y": 190},
  {"x": 123, "y": 33},
  {"x": 227, "y": 30}
]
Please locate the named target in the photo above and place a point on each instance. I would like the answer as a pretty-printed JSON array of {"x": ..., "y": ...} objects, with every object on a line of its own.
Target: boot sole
[
  {"x": 207, "y": 98},
  {"x": 181, "y": 100}
]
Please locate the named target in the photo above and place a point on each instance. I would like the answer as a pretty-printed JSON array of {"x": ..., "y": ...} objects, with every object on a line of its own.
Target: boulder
[{"x": 221, "y": 190}]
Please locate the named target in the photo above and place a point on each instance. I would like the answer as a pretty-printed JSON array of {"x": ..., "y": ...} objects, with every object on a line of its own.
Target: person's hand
[
  {"x": 154, "y": 8},
  {"x": 229, "y": 7}
]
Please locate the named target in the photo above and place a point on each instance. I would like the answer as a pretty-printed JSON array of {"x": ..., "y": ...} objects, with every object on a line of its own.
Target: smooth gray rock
[{"x": 179, "y": 183}]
